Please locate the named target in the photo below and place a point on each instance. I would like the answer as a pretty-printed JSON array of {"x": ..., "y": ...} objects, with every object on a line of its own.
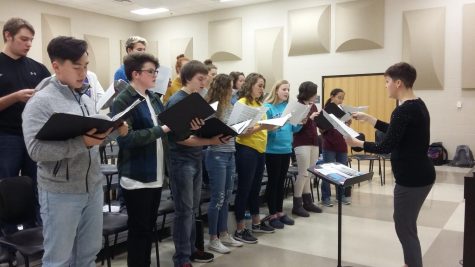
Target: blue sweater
[
  {"x": 279, "y": 141},
  {"x": 120, "y": 74}
]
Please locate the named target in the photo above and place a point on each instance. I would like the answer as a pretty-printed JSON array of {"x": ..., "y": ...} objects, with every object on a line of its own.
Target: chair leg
[
  {"x": 106, "y": 251},
  {"x": 163, "y": 226},
  {"x": 109, "y": 186},
  {"x": 380, "y": 173},
  {"x": 318, "y": 188},
  {"x": 358, "y": 165},
  {"x": 384, "y": 171},
  {"x": 27, "y": 261},
  {"x": 157, "y": 255}
]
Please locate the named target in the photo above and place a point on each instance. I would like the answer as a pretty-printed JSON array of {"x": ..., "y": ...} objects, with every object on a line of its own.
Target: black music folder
[
  {"x": 63, "y": 126},
  {"x": 331, "y": 108},
  {"x": 179, "y": 116},
  {"x": 215, "y": 126}
]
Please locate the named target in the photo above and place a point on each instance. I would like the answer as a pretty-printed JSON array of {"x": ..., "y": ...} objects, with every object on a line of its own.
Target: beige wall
[
  {"x": 451, "y": 125},
  {"x": 82, "y": 23}
]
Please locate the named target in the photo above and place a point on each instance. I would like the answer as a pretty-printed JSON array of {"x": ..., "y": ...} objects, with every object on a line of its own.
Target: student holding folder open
[
  {"x": 186, "y": 171},
  {"x": 250, "y": 161}
]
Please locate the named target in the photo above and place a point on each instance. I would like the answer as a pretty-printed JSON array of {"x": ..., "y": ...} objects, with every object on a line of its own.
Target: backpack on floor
[
  {"x": 463, "y": 157},
  {"x": 438, "y": 154}
]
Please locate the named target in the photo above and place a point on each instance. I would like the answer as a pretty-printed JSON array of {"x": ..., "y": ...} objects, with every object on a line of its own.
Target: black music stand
[{"x": 341, "y": 176}]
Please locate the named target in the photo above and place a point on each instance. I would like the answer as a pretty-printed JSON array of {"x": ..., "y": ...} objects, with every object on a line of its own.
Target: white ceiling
[{"x": 122, "y": 8}]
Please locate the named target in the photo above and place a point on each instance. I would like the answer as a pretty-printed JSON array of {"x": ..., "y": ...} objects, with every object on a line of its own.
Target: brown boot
[
  {"x": 298, "y": 208},
  {"x": 308, "y": 204}
]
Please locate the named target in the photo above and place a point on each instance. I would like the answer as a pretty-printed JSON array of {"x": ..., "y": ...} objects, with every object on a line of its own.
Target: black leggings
[{"x": 277, "y": 166}]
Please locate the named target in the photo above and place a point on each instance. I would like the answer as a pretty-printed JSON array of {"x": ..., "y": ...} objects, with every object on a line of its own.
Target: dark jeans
[
  {"x": 142, "y": 208},
  {"x": 250, "y": 168},
  {"x": 331, "y": 156},
  {"x": 15, "y": 161},
  {"x": 407, "y": 204},
  {"x": 185, "y": 182},
  {"x": 277, "y": 166}
]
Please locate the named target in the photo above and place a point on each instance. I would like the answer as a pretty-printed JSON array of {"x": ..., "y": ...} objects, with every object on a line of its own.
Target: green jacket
[{"x": 138, "y": 149}]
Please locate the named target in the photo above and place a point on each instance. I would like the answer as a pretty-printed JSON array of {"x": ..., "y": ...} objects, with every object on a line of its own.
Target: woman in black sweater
[{"x": 407, "y": 139}]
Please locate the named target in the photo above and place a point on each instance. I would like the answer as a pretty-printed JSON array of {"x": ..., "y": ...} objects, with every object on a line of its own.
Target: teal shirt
[{"x": 279, "y": 141}]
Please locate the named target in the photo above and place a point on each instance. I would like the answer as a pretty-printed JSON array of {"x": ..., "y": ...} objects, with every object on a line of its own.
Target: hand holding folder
[{"x": 63, "y": 126}]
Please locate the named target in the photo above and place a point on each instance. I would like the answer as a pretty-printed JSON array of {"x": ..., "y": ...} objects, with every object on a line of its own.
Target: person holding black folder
[
  {"x": 186, "y": 171},
  {"x": 69, "y": 175},
  {"x": 334, "y": 150},
  {"x": 407, "y": 138},
  {"x": 143, "y": 153},
  {"x": 220, "y": 165}
]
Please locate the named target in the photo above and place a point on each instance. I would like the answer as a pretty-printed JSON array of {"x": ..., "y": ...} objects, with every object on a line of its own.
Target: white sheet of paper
[
  {"x": 214, "y": 105},
  {"x": 340, "y": 126},
  {"x": 260, "y": 114},
  {"x": 240, "y": 127},
  {"x": 277, "y": 121},
  {"x": 108, "y": 94},
  {"x": 298, "y": 110},
  {"x": 161, "y": 83},
  {"x": 350, "y": 109},
  {"x": 242, "y": 112}
]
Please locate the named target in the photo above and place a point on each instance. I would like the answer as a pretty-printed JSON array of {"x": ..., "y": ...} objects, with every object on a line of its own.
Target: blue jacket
[
  {"x": 120, "y": 74},
  {"x": 279, "y": 141}
]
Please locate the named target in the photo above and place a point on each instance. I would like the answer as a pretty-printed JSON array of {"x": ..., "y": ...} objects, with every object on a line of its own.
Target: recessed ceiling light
[
  {"x": 223, "y": 1},
  {"x": 149, "y": 11}
]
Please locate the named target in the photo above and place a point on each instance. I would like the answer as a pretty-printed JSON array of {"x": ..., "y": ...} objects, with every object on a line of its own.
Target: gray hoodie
[{"x": 63, "y": 166}]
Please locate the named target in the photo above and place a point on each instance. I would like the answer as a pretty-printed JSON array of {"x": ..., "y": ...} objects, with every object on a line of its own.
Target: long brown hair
[
  {"x": 273, "y": 98},
  {"x": 220, "y": 90},
  {"x": 246, "y": 89},
  {"x": 333, "y": 93}
]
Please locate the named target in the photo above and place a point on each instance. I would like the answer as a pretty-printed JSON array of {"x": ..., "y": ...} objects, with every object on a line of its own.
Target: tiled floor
[{"x": 369, "y": 238}]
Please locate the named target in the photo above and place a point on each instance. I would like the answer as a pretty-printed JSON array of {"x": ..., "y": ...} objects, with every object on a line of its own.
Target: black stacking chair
[
  {"x": 379, "y": 138},
  {"x": 364, "y": 157},
  {"x": 17, "y": 206},
  {"x": 114, "y": 223}
]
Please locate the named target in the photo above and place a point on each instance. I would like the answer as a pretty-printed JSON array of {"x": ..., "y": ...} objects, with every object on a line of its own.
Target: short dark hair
[
  {"x": 14, "y": 25},
  {"x": 66, "y": 48},
  {"x": 190, "y": 69},
  {"x": 306, "y": 90},
  {"x": 135, "y": 61},
  {"x": 402, "y": 71}
]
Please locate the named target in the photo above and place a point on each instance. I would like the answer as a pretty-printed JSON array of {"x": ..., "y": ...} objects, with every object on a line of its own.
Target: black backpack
[
  {"x": 438, "y": 154},
  {"x": 463, "y": 157}
]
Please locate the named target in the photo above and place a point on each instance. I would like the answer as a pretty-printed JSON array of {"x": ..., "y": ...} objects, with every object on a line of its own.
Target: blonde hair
[
  {"x": 132, "y": 40},
  {"x": 272, "y": 97}
]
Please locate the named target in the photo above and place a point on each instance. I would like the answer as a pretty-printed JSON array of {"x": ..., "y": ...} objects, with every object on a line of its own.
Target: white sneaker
[
  {"x": 228, "y": 240},
  {"x": 217, "y": 246}
]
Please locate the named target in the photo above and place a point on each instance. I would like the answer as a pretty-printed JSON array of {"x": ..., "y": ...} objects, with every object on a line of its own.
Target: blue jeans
[
  {"x": 15, "y": 161},
  {"x": 185, "y": 182},
  {"x": 72, "y": 227},
  {"x": 221, "y": 168},
  {"x": 250, "y": 168},
  {"x": 331, "y": 156}
]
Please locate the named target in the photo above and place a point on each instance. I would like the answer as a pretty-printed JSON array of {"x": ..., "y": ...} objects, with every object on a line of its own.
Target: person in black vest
[
  {"x": 19, "y": 75},
  {"x": 407, "y": 139}
]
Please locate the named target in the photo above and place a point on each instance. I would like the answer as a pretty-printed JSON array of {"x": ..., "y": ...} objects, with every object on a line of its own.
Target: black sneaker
[
  {"x": 276, "y": 223},
  {"x": 262, "y": 228},
  {"x": 202, "y": 256},
  {"x": 245, "y": 236},
  {"x": 287, "y": 220}
]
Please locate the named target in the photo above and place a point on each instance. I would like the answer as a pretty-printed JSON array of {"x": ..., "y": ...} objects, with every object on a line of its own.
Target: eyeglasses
[{"x": 151, "y": 71}]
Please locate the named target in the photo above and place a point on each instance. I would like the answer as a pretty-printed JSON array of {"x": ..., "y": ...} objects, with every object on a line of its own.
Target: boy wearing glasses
[
  {"x": 69, "y": 176},
  {"x": 142, "y": 155}
]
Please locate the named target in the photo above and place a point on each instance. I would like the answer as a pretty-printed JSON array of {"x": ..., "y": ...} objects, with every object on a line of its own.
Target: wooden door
[{"x": 363, "y": 90}]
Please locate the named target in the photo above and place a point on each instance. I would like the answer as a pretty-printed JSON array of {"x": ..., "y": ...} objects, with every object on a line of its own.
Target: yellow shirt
[
  {"x": 175, "y": 87},
  {"x": 258, "y": 140}
]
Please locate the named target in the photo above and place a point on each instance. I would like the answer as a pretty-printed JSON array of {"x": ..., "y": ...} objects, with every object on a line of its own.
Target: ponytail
[{"x": 333, "y": 93}]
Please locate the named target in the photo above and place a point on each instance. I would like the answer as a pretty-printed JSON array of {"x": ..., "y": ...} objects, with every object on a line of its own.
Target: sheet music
[
  {"x": 350, "y": 109},
  {"x": 242, "y": 112},
  {"x": 298, "y": 110},
  {"x": 240, "y": 127},
  {"x": 108, "y": 94},
  {"x": 214, "y": 105},
  {"x": 277, "y": 121},
  {"x": 119, "y": 115},
  {"x": 261, "y": 111},
  {"x": 161, "y": 83},
  {"x": 340, "y": 126}
]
